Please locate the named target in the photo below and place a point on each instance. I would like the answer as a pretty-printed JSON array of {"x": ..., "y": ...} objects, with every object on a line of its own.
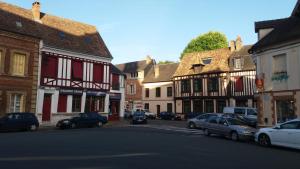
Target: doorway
[{"x": 46, "y": 116}]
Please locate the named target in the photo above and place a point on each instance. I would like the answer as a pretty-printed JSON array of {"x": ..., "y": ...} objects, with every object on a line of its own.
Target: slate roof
[
  {"x": 286, "y": 31},
  {"x": 219, "y": 62},
  {"x": 55, "y": 31},
  {"x": 132, "y": 67},
  {"x": 166, "y": 72},
  {"x": 115, "y": 70},
  {"x": 247, "y": 59}
]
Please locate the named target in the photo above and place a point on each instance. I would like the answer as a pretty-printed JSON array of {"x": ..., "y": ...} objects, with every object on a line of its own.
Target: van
[{"x": 243, "y": 111}]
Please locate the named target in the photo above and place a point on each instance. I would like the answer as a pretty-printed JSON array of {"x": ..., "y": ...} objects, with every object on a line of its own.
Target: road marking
[{"x": 172, "y": 128}]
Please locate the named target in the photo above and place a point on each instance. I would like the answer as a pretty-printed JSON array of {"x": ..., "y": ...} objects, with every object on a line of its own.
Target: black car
[
  {"x": 91, "y": 119},
  {"x": 139, "y": 117},
  {"x": 169, "y": 116},
  {"x": 19, "y": 122}
]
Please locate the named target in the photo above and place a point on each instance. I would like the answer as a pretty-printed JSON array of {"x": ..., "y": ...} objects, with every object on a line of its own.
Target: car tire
[
  {"x": 99, "y": 124},
  {"x": 264, "y": 140},
  {"x": 206, "y": 132},
  {"x": 192, "y": 125},
  {"x": 33, "y": 127},
  {"x": 234, "y": 136}
]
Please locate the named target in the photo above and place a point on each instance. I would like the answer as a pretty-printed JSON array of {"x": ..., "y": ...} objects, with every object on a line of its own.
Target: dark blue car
[
  {"x": 19, "y": 122},
  {"x": 91, "y": 119}
]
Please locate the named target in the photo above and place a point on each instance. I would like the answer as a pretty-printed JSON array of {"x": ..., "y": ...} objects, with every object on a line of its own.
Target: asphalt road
[{"x": 136, "y": 148}]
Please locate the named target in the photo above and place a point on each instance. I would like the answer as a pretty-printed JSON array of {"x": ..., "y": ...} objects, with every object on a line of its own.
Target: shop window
[
  {"x": 285, "y": 110},
  {"x": 169, "y": 92},
  {"x": 239, "y": 84},
  {"x": 49, "y": 66},
  {"x": 98, "y": 70},
  {"x": 197, "y": 85},
  {"x": 16, "y": 103},
  {"x": 147, "y": 92},
  {"x": 209, "y": 106},
  {"x": 186, "y": 106},
  {"x": 157, "y": 92},
  {"x": 198, "y": 106},
  {"x": 94, "y": 104},
  {"x": 220, "y": 106},
  {"x": 62, "y": 103},
  {"x": 18, "y": 64},
  {"x": 169, "y": 107},
  {"x": 77, "y": 70},
  {"x": 213, "y": 84},
  {"x": 76, "y": 104}
]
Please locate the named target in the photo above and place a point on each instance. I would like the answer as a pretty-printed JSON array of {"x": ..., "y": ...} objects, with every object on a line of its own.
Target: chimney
[
  {"x": 148, "y": 60},
  {"x": 232, "y": 45},
  {"x": 238, "y": 43},
  {"x": 156, "y": 71},
  {"x": 36, "y": 12}
]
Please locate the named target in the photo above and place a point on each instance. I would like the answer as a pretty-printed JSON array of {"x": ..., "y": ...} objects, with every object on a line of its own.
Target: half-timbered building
[{"x": 207, "y": 82}]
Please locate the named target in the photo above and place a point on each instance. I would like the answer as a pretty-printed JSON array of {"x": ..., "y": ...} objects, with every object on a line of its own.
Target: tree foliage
[
  {"x": 208, "y": 41},
  {"x": 165, "y": 62}
]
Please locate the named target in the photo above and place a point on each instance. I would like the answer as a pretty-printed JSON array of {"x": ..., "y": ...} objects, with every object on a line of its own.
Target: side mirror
[
  {"x": 225, "y": 124},
  {"x": 277, "y": 127}
]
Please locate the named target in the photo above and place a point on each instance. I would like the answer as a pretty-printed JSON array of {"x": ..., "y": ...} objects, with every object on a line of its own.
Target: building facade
[
  {"x": 158, "y": 91},
  {"x": 208, "y": 81},
  {"x": 277, "y": 55},
  {"x": 135, "y": 73}
]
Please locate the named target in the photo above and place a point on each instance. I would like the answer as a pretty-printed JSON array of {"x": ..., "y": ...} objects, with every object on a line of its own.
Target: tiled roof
[
  {"x": 55, "y": 31},
  {"x": 247, "y": 59},
  {"x": 166, "y": 72},
  {"x": 219, "y": 62},
  {"x": 132, "y": 67}
]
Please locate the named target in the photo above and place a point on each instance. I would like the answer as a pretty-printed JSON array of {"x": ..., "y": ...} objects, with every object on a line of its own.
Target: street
[{"x": 136, "y": 147}]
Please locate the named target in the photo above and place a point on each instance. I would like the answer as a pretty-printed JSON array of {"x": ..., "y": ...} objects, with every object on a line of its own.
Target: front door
[
  {"x": 114, "y": 108},
  {"x": 46, "y": 108}
]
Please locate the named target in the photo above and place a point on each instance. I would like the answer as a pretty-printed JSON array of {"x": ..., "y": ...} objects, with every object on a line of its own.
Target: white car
[{"x": 286, "y": 134}]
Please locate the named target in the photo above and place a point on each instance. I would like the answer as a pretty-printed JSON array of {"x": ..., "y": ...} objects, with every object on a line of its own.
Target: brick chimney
[
  {"x": 156, "y": 71},
  {"x": 232, "y": 45},
  {"x": 238, "y": 43},
  {"x": 36, "y": 12}
]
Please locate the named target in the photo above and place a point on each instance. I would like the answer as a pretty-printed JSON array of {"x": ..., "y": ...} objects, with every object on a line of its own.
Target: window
[
  {"x": 185, "y": 86},
  {"x": 98, "y": 70},
  {"x": 239, "y": 84},
  {"x": 241, "y": 103},
  {"x": 291, "y": 125},
  {"x": 16, "y": 103},
  {"x": 18, "y": 64},
  {"x": 285, "y": 110},
  {"x": 94, "y": 104},
  {"x": 240, "y": 111},
  {"x": 197, "y": 85},
  {"x": 209, "y": 106},
  {"x": 147, "y": 92},
  {"x": 213, "y": 120},
  {"x": 2, "y": 61},
  {"x": 157, "y": 92},
  {"x": 134, "y": 75},
  {"x": 169, "y": 92},
  {"x": 146, "y": 106},
  {"x": 238, "y": 63},
  {"x": 186, "y": 106},
  {"x": 77, "y": 70},
  {"x": 62, "y": 103},
  {"x": 76, "y": 104},
  {"x": 132, "y": 89},
  {"x": 279, "y": 65},
  {"x": 220, "y": 106},
  {"x": 169, "y": 107},
  {"x": 49, "y": 66},
  {"x": 213, "y": 84},
  {"x": 158, "y": 109},
  {"x": 207, "y": 61},
  {"x": 198, "y": 106},
  {"x": 251, "y": 112},
  {"x": 115, "y": 82}
]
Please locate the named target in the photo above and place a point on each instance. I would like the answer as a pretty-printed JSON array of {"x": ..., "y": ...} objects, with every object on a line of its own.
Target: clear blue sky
[{"x": 133, "y": 29}]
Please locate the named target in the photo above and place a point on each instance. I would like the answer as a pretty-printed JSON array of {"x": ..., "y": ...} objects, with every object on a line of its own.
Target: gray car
[
  {"x": 228, "y": 127},
  {"x": 199, "y": 121}
]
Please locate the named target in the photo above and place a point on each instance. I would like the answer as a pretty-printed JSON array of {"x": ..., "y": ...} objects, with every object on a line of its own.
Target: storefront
[{"x": 114, "y": 106}]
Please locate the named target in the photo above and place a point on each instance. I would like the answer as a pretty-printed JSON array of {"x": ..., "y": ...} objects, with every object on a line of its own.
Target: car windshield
[{"x": 232, "y": 121}]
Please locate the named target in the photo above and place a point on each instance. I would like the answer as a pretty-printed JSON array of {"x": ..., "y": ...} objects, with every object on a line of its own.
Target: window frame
[
  {"x": 198, "y": 82},
  {"x": 213, "y": 87},
  {"x": 158, "y": 92},
  {"x": 169, "y": 91},
  {"x": 147, "y": 92},
  {"x": 9, "y": 95},
  {"x": 2, "y": 60},
  {"x": 27, "y": 54},
  {"x": 186, "y": 86},
  {"x": 74, "y": 108},
  {"x": 274, "y": 65}
]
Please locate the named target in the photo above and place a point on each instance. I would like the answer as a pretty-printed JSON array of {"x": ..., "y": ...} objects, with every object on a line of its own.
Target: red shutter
[
  {"x": 239, "y": 85},
  {"x": 98, "y": 73},
  {"x": 62, "y": 103},
  {"x": 77, "y": 69},
  {"x": 49, "y": 68}
]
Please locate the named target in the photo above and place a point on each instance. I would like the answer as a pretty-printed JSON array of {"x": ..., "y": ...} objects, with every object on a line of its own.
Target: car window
[
  {"x": 222, "y": 121},
  {"x": 233, "y": 121},
  {"x": 213, "y": 120},
  {"x": 239, "y": 111},
  {"x": 252, "y": 112},
  {"x": 84, "y": 115},
  {"x": 201, "y": 117},
  {"x": 290, "y": 125}
]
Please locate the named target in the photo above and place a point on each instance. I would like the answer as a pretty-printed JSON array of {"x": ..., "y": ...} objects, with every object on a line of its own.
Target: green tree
[
  {"x": 165, "y": 62},
  {"x": 208, "y": 41}
]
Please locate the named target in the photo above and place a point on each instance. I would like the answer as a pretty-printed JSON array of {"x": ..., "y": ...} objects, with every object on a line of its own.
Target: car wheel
[
  {"x": 192, "y": 125},
  {"x": 33, "y": 127},
  {"x": 234, "y": 136},
  {"x": 99, "y": 124},
  {"x": 264, "y": 140},
  {"x": 206, "y": 132}
]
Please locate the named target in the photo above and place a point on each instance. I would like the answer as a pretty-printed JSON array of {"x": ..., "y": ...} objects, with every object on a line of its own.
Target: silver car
[
  {"x": 228, "y": 127},
  {"x": 198, "y": 121}
]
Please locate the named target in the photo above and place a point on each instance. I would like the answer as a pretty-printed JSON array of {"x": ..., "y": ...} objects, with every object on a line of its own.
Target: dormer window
[
  {"x": 238, "y": 63},
  {"x": 206, "y": 61},
  {"x": 134, "y": 75}
]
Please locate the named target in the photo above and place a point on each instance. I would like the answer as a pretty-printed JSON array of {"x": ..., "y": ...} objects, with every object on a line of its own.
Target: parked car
[
  {"x": 228, "y": 127},
  {"x": 127, "y": 114},
  {"x": 286, "y": 134},
  {"x": 169, "y": 116},
  {"x": 149, "y": 114},
  {"x": 192, "y": 115},
  {"x": 19, "y": 121},
  {"x": 243, "y": 111},
  {"x": 139, "y": 117},
  {"x": 90, "y": 119},
  {"x": 199, "y": 121},
  {"x": 252, "y": 122}
]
